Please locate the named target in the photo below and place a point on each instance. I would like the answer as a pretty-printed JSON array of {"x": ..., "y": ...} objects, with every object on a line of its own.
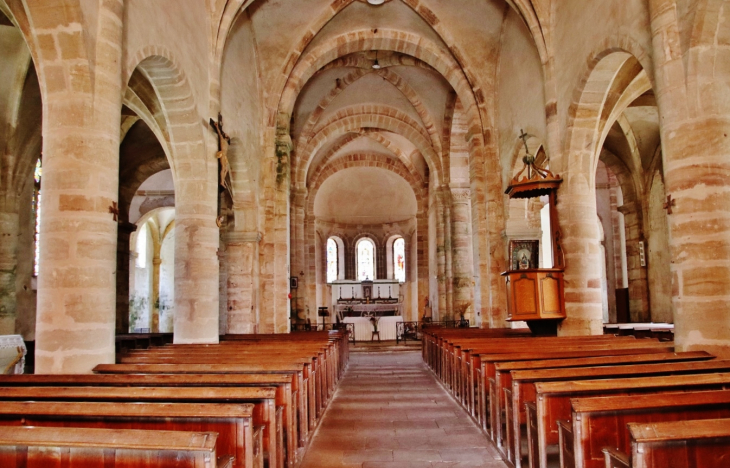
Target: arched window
[
  {"x": 399, "y": 260},
  {"x": 37, "y": 215},
  {"x": 332, "y": 260},
  {"x": 142, "y": 247},
  {"x": 365, "y": 260}
]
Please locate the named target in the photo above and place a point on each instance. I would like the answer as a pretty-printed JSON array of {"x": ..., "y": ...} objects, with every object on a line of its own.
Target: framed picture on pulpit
[{"x": 524, "y": 254}]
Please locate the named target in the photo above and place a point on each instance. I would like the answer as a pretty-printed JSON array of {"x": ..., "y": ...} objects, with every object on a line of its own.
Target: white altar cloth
[{"x": 364, "y": 329}]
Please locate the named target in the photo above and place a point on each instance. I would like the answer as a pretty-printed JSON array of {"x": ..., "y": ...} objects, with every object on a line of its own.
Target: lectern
[{"x": 536, "y": 295}]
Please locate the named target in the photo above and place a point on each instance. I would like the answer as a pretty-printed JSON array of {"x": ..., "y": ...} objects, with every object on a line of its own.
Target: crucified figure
[{"x": 222, "y": 154}]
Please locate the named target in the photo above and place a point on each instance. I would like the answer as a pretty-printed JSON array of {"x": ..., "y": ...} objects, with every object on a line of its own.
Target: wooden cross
[
  {"x": 669, "y": 204},
  {"x": 114, "y": 209}
]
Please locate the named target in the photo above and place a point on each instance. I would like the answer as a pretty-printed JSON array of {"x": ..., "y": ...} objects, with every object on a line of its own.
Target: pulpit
[{"x": 536, "y": 295}]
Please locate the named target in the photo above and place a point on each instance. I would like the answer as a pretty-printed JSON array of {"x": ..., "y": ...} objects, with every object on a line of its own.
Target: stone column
[
  {"x": 440, "y": 255},
  {"x": 695, "y": 124},
  {"x": 9, "y": 232},
  {"x": 124, "y": 232},
  {"x": 81, "y": 120},
  {"x": 461, "y": 241},
  {"x": 155, "y": 296},
  {"x": 242, "y": 250},
  {"x": 638, "y": 282},
  {"x": 448, "y": 253}
]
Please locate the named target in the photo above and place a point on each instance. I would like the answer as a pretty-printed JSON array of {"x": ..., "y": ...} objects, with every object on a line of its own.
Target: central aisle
[{"x": 390, "y": 412}]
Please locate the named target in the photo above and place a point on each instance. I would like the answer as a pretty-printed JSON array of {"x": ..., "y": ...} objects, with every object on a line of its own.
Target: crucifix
[
  {"x": 669, "y": 204},
  {"x": 223, "y": 179},
  {"x": 114, "y": 209},
  {"x": 223, "y": 141}
]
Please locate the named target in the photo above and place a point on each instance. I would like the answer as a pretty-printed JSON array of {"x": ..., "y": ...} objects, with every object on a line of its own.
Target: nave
[{"x": 390, "y": 412}]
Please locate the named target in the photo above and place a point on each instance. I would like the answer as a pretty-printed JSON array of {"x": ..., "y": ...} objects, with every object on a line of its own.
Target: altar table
[{"x": 364, "y": 329}]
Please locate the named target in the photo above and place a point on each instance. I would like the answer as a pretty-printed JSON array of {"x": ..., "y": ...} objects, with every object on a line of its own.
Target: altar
[
  {"x": 370, "y": 310},
  {"x": 364, "y": 329}
]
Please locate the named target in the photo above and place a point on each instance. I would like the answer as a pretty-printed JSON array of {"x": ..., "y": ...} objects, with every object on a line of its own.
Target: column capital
[
  {"x": 460, "y": 195},
  {"x": 242, "y": 237}
]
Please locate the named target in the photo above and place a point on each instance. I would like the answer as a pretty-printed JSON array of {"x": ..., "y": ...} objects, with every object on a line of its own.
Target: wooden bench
[
  {"x": 552, "y": 402},
  {"x": 499, "y": 376},
  {"x": 305, "y": 406},
  {"x": 285, "y": 397},
  {"x": 263, "y": 400},
  {"x": 232, "y": 422},
  {"x": 486, "y": 372},
  {"x": 676, "y": 444},
  {"x": 602, "y": 421},
  {"x": 43, "y": 447},
  {"x": 486, "y": 386},
  {"x": 523, "y": 385}
]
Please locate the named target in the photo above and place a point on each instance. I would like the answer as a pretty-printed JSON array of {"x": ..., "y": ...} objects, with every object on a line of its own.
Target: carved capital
[
  {"x": 242, "y": 237},
  {"x": 460, "y": 195}
]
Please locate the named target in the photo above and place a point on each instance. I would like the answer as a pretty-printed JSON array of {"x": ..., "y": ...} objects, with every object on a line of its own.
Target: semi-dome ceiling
[{"x": 365, "y": 195}]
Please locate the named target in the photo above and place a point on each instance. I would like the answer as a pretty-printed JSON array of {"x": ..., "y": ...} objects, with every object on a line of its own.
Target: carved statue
[{"x": 222, "y": 154}]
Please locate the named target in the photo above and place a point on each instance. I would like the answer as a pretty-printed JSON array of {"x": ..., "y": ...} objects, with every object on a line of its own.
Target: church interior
[{"x": 230, "y": 174}]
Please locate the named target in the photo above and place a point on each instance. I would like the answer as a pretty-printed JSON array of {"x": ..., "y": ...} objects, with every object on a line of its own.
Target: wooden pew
[
  {"x": 492, "y": 401},
  {"x": 467, "y": 360},
  {"x": 306, "y": 413},
  {"x": 319, "y": 373},
  {"x": 455, "y": 376},
  {"x": 599, "y": 422},
  {"x": 552, "y": 402},
  {"x": 285, "y": 397},
  {"x": 232, "y": 422},
  {"x": 523, "y": 385},
  {"x": 486, "y": 372},
  {"x": 498, "y": 374},
  {"x": 263, "y": 400},
  {"x": 42, "y": 447},
  {"x": 676, "y": 444}
]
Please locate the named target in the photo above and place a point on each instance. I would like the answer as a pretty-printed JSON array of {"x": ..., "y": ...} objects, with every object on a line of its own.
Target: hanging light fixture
[
  {"x": 376, "y": 2},
  {"x": 376, "y": 65}
]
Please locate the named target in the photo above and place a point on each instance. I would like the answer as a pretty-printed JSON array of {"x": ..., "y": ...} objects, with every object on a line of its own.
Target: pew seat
[{"x": 44, "y": 447}]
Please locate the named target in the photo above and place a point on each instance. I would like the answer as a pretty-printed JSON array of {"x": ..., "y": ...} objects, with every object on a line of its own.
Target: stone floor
[{"x": 390, "y": 412}]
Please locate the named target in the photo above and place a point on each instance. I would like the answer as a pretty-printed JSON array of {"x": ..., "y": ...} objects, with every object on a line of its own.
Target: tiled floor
[{"x": 389, "y": 412}]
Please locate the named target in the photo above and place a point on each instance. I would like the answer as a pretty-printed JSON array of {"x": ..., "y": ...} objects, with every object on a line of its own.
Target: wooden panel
[
  {"x": 551, "y": 294},
  {"x": 524, "y": 294}
]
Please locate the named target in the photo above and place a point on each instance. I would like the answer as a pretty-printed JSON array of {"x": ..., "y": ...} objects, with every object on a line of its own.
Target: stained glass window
[
  {"x": 399, "y": 260},
  {"x": 37, "y": 214},
  {"x": 332, "y": 259},
  {"x": 365, "y": 260}
]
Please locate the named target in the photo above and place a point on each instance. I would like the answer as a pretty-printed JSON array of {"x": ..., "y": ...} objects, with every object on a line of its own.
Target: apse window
[
  {"x": 332, "y": 260},
  {"x": 365, "y": 260},
  {"x": 399, "y": 260},
  {"x": 37, "y": 216}
]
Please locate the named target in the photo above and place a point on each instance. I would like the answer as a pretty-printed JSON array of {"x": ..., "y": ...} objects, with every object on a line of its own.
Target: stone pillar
[
  {"x": 695, "y": 124},
  {"x": 81, "y": 120},
  {"x": 274, "y": 253},
  {"x": 448, "y": 253},
  {"x": 301, "y": 257},
  {"x": 124, "y": 232},
  {"x": 440, "y": 255},
  {"x": 638, "y": 281},
  {"x": 488, "y": 225},
  {"x": 155, "y": 296},
  {"x": 9, "y": 233},
  {"x": 420, "y": 263},
  {"x": 461, "y": 242},
  {"x": 242, "y": 250}
]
